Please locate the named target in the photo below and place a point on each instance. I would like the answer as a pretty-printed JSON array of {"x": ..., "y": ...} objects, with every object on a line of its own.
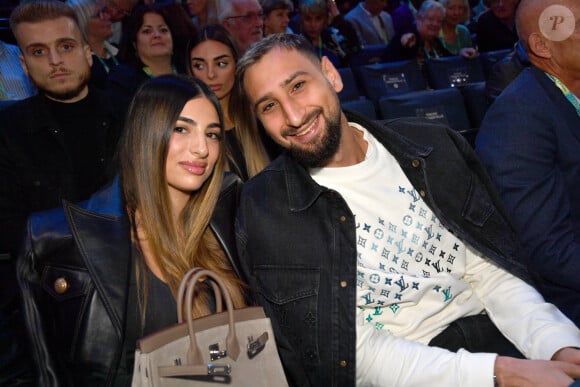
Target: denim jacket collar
[{"x": 303, "y": 190}]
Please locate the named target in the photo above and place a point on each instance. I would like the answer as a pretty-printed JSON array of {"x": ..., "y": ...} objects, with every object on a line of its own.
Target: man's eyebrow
[
  {"x": 58, "y": 41},
  {"x": 282, "y": 84}
]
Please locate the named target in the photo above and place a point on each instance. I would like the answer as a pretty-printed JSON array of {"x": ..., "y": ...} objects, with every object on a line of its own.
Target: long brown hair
[
  {"x": 247, "y": 135},
  {"x": 143, "y": 152}
]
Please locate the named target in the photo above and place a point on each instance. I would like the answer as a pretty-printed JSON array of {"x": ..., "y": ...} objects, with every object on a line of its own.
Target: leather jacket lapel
[{"x": 104, "y": 244}]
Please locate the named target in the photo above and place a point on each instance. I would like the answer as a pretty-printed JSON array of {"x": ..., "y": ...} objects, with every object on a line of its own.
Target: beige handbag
[{"x": 234, "y": 347}]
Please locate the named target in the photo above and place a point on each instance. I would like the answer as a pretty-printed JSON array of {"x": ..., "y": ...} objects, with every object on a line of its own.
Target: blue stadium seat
[
  {"x": 444, "y": 106},
  {"x": 389, "y": 78},
  {"x": 453, "y": 71},
  {"x": 350, "y": 97},
  {"x": 490, "y": 58},
  {"x": 372, "y": 53}
]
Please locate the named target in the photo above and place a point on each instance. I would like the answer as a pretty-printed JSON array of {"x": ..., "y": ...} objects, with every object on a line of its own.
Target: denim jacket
[{"x": 297, "y": 242}]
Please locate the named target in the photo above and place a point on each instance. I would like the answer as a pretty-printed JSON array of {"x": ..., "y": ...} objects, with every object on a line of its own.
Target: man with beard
[
  {"x": 57, "y": 145},
  {"x": 381, "y": 252}
]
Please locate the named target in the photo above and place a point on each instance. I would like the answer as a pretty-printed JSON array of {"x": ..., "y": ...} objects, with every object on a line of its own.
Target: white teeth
[{"x": 308, "y": 129}]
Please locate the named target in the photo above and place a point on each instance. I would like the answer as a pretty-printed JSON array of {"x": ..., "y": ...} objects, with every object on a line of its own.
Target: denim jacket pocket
[
  {"x": 478, "y": 206},
  {"x": 290, "y": 297}
]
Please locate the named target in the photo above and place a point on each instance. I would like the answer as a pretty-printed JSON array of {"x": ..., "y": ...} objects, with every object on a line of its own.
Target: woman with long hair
[
  {"x": 212, "y": 58},
  {"x": 97, "y": 276}
]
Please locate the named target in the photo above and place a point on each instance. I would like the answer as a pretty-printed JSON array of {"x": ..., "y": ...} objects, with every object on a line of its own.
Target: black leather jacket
[
  {"x": 297, "y": 242},
  {"x": 77, "y": 330}
]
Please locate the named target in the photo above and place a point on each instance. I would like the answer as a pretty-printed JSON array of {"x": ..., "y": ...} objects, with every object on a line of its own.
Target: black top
[{"x": 161, "y": 312}]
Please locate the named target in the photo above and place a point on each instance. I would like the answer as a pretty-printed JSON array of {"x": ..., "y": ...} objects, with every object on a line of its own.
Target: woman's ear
[{"x": 331, "y": 74}]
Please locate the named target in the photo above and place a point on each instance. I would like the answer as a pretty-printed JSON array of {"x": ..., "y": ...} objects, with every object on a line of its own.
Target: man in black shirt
[{"x": 56, "y": 145}]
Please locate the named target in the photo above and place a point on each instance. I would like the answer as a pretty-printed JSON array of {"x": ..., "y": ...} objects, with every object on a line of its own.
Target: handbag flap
[{"x": 158, "y": 339}]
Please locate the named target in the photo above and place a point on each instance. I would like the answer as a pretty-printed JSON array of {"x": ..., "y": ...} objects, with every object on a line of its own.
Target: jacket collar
[
  {"x": 104, "y": 242},
  {"x": 303, "y": 190}
]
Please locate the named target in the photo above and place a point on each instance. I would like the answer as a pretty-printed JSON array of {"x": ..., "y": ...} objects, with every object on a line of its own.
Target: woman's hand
[{"x": 468, "y": 52}]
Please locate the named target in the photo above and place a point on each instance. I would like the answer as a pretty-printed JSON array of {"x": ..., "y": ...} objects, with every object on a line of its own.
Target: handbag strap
[
  {"x": 181, "y": 307},
  {"x": 232, "y": 344}
]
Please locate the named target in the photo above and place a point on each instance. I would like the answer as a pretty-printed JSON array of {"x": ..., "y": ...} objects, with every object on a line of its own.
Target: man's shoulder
[
  {"x": 355, "y": 13},
  {"x": 21, "y": 113}
]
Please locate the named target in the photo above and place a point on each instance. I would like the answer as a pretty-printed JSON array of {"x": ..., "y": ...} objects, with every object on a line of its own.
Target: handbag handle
[
  {"x": 181, "y": 307},
  {"x": 232, "y": 345}
]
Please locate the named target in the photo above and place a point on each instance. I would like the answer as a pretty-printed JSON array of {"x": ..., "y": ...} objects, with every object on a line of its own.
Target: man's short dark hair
[
  {"x": 41, "y": 10},
  {"x": 273, "y": 5},
  {"x": 243, "y": 113}
]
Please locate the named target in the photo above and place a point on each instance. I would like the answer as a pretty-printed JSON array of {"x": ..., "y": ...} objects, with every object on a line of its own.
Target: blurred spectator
[
  {"x": 276, "y": 16},
  {"x": 495, "y": 28},
  {"x": 14, "y": 83},
  {"x": 202, "y": 12},
  {"x": 148, "y": 50},
  {"x": 372, "y": 24},
  {"x": 529, "y": 142},
  {"x": 454, "y": 35},
  {"x": 244, "y": 20},
  {"x": 336, "y": 43},
  {"x": 95, "y": 23},
  {"x": 505, "y": 71},
  {"x": 404, "y": 16},
  {"x": 213, "y": 57},
  {"x": 422, "y": 42},
  {"x": 118, "y": 10}
]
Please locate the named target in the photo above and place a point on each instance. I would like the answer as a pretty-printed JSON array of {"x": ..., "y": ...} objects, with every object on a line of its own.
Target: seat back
[
  {"x": 444, "y": 106},
  {"x": 475, "y": 102},
  {"x": 389, "y": 78},
  {"x": 490, "y": 58},
  {"x": 453, "y": 71},
  {"x": 349, "y": 90},
  {"x": 372, "y": 53}
]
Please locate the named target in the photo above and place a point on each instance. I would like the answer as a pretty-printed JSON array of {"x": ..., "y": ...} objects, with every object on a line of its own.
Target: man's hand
[
  {"x": 510, "y": 371},
  {"x": 408, "y": 40},
  {"x": 568, "y": 354}
]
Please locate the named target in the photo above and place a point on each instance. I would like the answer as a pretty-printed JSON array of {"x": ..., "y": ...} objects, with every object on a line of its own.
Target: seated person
[
  {"x": 98, "y": 276},
  {"x": 495, "y": 28},
  {"x": 423, "y": 41},
  {"x": 95, "y": 22},
  {"x": 147, "y": 50},
  {"x": 212, "y": 58},
  {"x": 335, "y": 43},
  {"x": 14, "y": 83},
  {"x": 202, "y": 12},
  {"x": 454, "y": 35},
  {"x": 277, "y": 16},
  {"x": 381, "y": 253},
  {"x": 529, "y": 142},
  {"x": 372, "y": 24}
]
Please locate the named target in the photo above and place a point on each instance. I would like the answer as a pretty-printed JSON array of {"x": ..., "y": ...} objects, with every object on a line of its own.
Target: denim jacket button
[
  {"x": 343, "y": 218},
  {"x": 422, "y": 193},
  {"x": 416, "y": 163},
  {"x": 343, "y": 363},
  {"x": 343, "y": 284}
]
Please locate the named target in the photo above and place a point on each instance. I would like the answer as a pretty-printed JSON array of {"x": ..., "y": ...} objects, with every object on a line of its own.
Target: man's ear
[
  {"x": 23, "y": 64},
  {"x": 88, "y": 54},
  {"x": 332, "y": 74},
  {"x": 539, "y": 46}
]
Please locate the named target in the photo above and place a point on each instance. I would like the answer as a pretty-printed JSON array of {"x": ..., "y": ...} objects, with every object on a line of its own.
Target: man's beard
[
  {"x": 319, "y": 154},
  {"x": 67, "y": 94}
]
